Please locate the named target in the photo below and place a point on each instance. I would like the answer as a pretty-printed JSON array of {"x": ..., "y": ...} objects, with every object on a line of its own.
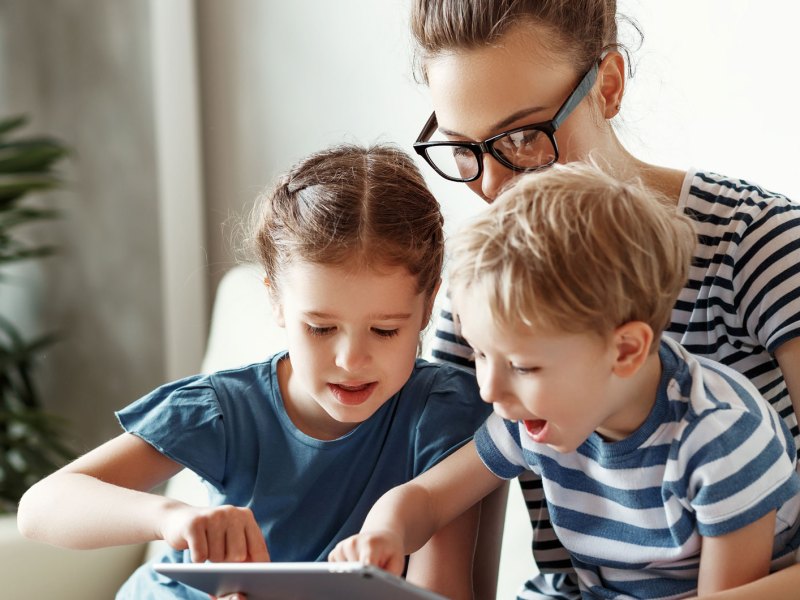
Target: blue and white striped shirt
[{"x": 711, "y": 458}]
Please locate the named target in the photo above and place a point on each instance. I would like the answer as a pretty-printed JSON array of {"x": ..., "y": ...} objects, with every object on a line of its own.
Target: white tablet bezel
[{"x": 295, "y": 581}]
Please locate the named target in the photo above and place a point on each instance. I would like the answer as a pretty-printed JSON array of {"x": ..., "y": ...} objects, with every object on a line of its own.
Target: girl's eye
[
  {"x": 387, "y": 333},
  {"x": 319, "y": 330},
  {"x": 524, "y": 370}
]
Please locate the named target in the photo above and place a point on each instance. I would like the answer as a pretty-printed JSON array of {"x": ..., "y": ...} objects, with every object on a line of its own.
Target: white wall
[{"x": 716, "y": 88}]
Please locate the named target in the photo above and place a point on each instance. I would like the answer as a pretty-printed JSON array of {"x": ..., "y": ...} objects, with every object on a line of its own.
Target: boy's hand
[
  {"x": 383, "y": 549},
  {"x": 218, "y": 534}
]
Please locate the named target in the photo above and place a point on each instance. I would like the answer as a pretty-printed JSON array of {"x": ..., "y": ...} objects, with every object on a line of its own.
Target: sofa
[{"x": 242, "y": 331}]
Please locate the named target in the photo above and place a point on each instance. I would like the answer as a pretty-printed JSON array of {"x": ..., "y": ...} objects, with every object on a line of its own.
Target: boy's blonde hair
[{"x": 575, "y": 250}]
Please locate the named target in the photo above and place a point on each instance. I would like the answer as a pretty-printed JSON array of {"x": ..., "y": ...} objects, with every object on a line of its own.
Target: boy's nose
[{"x": 491, "y": 386}]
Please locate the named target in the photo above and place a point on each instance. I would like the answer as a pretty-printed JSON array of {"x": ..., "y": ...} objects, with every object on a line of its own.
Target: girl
[
  {"x": 295, "y": 450},
  {"x": 517, "y": 85}
]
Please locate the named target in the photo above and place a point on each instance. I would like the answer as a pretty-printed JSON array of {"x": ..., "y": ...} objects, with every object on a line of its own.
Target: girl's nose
[{"x": 352, "y": 355}]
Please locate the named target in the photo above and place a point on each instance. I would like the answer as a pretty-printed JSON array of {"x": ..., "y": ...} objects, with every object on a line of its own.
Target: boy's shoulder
[{"x": 706, "y": 386}]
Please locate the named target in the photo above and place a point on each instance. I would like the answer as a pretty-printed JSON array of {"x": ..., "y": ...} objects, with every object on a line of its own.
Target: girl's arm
[
  {"x": 100, "y": 500},
  {"x": 406, "y": 517},
  {"x": 732, "y": 560}
]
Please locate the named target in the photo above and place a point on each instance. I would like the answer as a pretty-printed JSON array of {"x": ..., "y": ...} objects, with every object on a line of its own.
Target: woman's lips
[
  {"x": 352, "y": 394},
  {"x": 536, "y": 429}
]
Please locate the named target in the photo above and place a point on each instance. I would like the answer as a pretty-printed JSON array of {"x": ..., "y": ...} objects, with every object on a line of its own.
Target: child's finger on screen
[{"x": 256, "y": 544}]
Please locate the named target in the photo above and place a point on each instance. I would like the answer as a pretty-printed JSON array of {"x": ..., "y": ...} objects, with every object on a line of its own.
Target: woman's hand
[
  {"x": 383, "y": 549},
  {"x": 218, "y": 534}
]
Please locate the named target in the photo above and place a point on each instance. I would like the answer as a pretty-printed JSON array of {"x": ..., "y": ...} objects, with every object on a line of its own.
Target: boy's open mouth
[{"x": 535, "y": 428}]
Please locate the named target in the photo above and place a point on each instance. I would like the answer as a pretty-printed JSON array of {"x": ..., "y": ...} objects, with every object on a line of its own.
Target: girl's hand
[
  {"x": 383, "y": 549},
  {"x": 218, "y": 534}
]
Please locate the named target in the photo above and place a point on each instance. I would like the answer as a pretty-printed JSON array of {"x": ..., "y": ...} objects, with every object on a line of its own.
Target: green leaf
[
  {"x": 13, "y": 187},
  {"x": 31, "y": 155},
  {"x": 11, "y": 123}
]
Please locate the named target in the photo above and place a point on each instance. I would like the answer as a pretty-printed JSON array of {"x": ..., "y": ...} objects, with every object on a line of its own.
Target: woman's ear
[
  {"x": 277, "y": 307},
  {"x": 632, "y": 342},
  {"x": 611, "y": 78}
]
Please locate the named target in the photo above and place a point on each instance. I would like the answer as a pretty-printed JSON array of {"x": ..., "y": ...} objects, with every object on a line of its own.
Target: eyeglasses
[{"x": 527, "y": 148}]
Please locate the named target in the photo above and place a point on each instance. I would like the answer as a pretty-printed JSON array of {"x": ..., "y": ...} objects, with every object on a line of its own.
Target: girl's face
[
  {"x": 485, "y": 91},
  {"x": 353, "y": 337}
]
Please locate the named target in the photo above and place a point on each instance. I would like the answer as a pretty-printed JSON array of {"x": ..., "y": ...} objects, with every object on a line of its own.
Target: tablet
[{"x": 296, "y": 581}]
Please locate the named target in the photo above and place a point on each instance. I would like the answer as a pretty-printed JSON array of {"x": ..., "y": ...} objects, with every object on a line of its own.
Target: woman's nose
[{"x": 494, "y": 177}]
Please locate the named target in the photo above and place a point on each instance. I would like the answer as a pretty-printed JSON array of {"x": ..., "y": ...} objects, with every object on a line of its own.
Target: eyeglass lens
[{"x": 524, "y": 149}]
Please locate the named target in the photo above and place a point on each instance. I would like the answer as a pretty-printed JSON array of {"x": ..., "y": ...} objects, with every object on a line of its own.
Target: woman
[{"x": 519, "y": 85}]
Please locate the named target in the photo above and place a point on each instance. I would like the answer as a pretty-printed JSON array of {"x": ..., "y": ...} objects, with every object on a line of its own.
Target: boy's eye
[
  {"x": 387, "y": 333},
  {"x": 319, "y": 330},
  {"x": 524, "y": 370}
]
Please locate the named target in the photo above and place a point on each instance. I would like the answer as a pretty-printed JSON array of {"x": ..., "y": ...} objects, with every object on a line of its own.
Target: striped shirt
[
  {"x": 741, "y": 302},
  {"x": 711, "y": 458}
]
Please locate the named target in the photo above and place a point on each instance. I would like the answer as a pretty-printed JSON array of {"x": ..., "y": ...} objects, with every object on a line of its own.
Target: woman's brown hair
[{"x": 579, "y": 29}]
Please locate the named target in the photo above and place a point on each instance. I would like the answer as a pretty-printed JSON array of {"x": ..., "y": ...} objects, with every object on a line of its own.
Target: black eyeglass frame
[{"x": 549, "y": 128}]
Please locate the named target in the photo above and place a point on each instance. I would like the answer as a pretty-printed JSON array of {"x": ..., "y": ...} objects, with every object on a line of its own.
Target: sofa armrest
[{"x": 34, "y": 570}]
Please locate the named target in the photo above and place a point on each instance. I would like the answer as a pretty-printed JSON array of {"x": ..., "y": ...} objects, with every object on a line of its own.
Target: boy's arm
[
  {"x": 734, "y": 559},
  {"x": 444, "y": 564},
  {"x": 781, "y": 585},
  {"x": 406, "y": 517}
]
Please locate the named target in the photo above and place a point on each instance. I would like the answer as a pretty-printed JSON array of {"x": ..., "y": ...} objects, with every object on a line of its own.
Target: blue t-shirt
[
  {"x": 711, "y": 458},
  {"x": 232, "y": 429}
]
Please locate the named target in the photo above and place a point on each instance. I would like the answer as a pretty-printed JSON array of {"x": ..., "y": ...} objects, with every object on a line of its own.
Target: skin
[
  {"x": 481, "y": 92},
  {"x": 365, "y": 341},
  {"x": 563, "y": 386}
]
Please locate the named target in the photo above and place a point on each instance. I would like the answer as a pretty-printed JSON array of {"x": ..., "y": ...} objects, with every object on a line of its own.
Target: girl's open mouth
[
  {"x": 352, "y": 395},
  {"x": 536, "y": 429}
]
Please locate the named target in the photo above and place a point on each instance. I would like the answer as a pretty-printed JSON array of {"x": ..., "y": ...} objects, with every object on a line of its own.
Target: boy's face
[
  {"x": 562, "y": 386},
  {"x": 352, "y": 337}
]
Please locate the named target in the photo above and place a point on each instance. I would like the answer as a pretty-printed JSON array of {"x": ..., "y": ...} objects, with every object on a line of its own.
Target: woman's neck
[{"x": 625, "y": 166}]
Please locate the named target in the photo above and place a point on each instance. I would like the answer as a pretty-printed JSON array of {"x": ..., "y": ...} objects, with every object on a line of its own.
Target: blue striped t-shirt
[{"x": 711, "y": 458}]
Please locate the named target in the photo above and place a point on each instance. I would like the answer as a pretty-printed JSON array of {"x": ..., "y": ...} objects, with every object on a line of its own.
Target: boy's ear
[
  {"x": 277, "y": 307},
  {"x": 611, "y": 80},
  {"x": 632, "y": 342}
]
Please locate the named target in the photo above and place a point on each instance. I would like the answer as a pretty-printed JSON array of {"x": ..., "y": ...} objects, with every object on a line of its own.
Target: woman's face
[{"x": 485, "y": 91}]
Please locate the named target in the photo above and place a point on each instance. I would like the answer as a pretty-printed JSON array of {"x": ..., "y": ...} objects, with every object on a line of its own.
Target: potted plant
[{"x": 31, "y": 440}]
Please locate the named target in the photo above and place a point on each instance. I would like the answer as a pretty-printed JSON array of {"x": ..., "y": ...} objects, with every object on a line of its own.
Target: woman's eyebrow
[{"x": 525, "y": 112}]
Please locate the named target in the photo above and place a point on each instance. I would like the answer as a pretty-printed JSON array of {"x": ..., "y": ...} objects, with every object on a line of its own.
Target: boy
[{"x": 666, "y": 475}]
